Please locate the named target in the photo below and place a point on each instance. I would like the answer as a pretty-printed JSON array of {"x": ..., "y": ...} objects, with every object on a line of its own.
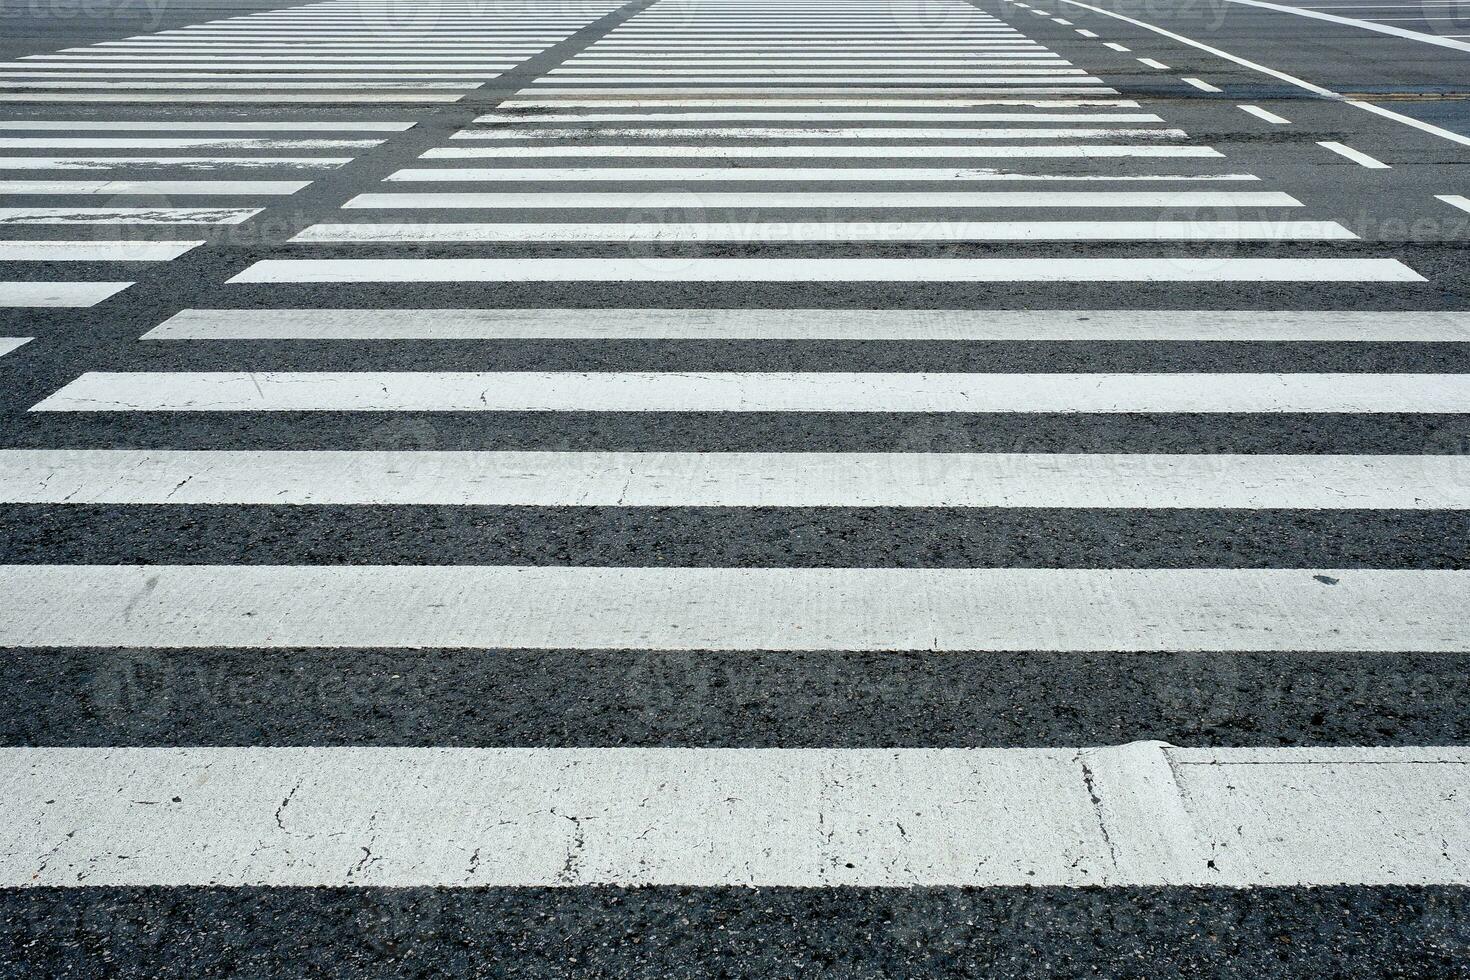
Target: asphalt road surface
[{"x": 764, "y": 488}]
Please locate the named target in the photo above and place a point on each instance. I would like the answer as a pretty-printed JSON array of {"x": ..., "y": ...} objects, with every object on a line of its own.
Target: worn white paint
[
  {"x": 791, "y": 479},
  {"x": 859, "y": 609},
  {"x": 1140, "y": 814},
  {"x": 678, "y": 269},
  {"x": 730, "y": 391},
  {"x": 1339, "y": 326}
]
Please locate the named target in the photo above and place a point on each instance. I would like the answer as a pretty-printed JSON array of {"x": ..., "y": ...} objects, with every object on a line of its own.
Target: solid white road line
[
  {"x": 623, "y": 479},
  {"x": 181, "y": 188},
  {"x": 796, "y": 76},
  {"x": 93, "y": 251},
  {"x": 1150, "y": 62},
  {"x": 1337, "y": 326},
  {"x": 743, "y": 95},
  {"x": 8, "y": 344},
  {"x": 126, "y": 216},
  {"x": 1439, "y": 131},
  {"x": 255, "y": 97},
  {"x": 1367, "y": 25},
  {"x": 821, "y": 133},
  {"x": 949, "y": 102},
  {"x": 187, "y": 163},
  {"x": 180, "y": 143},
  {"x": 699, "y": 269},
  {"x": 120, "y": 66},
  {"x": 1260, "y": 113},
  {"x": 717, "y": 391},
  {"x": 857, "y": 609},
  {"x": 187, "y": 126},
  {"x": 1455, "y": 201},
  {"x": 1357, "y": 156},
  {"x": 169, "y": 86},
  {"x": 1144, "y": 814},
  {"x": 807, "y": 151},
  {"x": 684, "y": 199},
  {"x": 757, "y": 115},
  {"x": 833, "y": 231},
  {"x": 685, "y": 174},
  {"x": 57, "y": 294}
]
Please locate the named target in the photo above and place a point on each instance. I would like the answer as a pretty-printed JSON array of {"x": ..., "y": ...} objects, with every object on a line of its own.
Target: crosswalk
[
  {"x": 337, "y": 51},
  {"x": 734, "y": 267},
  {"x": 132, "y": 187}
]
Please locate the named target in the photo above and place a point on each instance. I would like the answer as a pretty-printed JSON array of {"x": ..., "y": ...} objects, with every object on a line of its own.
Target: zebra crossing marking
[
  {"x": 737, "y": 609},
  {"x": 94, "y": 251},
  {"x": 787, "y": 479},
  {"x": 734, "y": 391},
  {"x": 56, "y": 293},
  {"x": 834, "y": 231},
  {"x": 800, "y": 270},
  {"x": 1332, "y": 326},
  {"x": 1143, "y": 814}
]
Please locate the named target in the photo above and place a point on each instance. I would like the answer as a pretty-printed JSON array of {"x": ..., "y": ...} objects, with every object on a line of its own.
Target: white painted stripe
[
  {"x": 126, "y": 216},
  {"x": 651, "y": 391},
  {"x": 860, "y": 609},
  {"x": 1336, "y": 326},
  {"x": 93, "y": 251},
  {"x": 1111, "y": 44},
  {"x": 823, "y": 132},
  {"x": 732, "y": 73},
  {"x": 1144, "y": 814},
  {"x": 835, "y": 199},
  {"x": 1367, "y": 25},
  {"x": 336, "y": 79},
  {"x": 1419, "y": 124},
  {"x": 1455, "y": 201},
  {"x": 1150, "y": 62},
  {"x": 257, "y": 63},
  {"x": 1357, "y": 156},
  {"x": 828, "y": 61},
  {"x": 187, "y": 163},
  {"x": 169, "y": 86},
  {"x": 723, "y": 174},
  {"x": 808, "y": 151},
  {"x": 184, "y": 98},
  {"x": 947, "y": 117},
  {"x": 675, "y": 269},
  {"x": 744, "y": 95},
  {"x": 1085, "y": 33},
  {"x": 57, "y": 294},
  {"x": 972, "y": 83},
  {"x": 9, "y": 344},
  {"x": 179, "y": 143},
  {"x": 1051, "y": 65},
  {"x": 181, "y": 188},
  {"x": 593, "y": 479},
  {"x": 834, "y": 231},
  {"x": 943, "y": 101},
  {"x": 1203, "y": 86},
  {"x": 1268, "y": 116},
  {"x": 189, "y": 126}
]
